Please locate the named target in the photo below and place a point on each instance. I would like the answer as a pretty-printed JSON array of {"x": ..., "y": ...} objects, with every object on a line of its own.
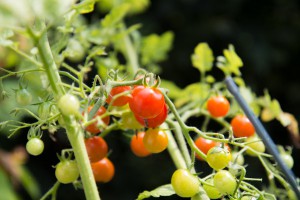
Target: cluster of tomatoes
[
  {"x": 147, "y": 111},
  {"x": 218, "y": 155}
]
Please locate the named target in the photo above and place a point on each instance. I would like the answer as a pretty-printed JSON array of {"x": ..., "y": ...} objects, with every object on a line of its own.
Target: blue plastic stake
[{"x": 263, "y": 134}]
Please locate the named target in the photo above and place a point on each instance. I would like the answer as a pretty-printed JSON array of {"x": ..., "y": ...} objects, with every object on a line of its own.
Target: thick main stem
[{"x": 74, "y": 131}]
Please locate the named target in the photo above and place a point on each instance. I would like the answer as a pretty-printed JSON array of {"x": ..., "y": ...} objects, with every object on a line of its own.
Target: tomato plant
[
  {"x": 255, "y": 145},
  {"x": 156, "y": 121},
  {"x": 68, "y": 104},
  {"x": 218, "y": 157},
  {"x": 155, "y": 140},
  {"x": 218, "y": 106},
  {"x": 146, "y": 102},
  {"x": 96, "y": 148},
  {"x": 225, "y": 182},
  {"x": 66, "y": 171},
  {"x": 23, "y": 97},
  {"x": 137, "y": 145},
  {"x": 94, "y": 128},
  {"x": 211, "y": 190},
  {"x": 121, "y": 100},
  {"x": 109, "y": 70},
  {"x": 103, "y": 170},
  {"x": 184, "y": 183},
  {"x": 242, "y": 127},
  {"x": 35, "y": 146}
]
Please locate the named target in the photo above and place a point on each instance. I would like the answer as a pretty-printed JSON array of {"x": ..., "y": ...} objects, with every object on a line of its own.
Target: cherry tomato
[
  {"x": 68, "y": 104},
  {"x": 225, "y": 182},
  {"x": 103, "y": 170},
  {"x": 255, "y": 144},
  {"x": 211, "y": 191},
  {"x": 23, "y": 97},
  {"x": 155, "y": 140},
  {"x": 137, "y": 146},
  {"x": 35, "y": 146},
  {"x": 146, "y": 102},
  {"x": 129, "y": 121},
  {"x": 242, "y": 127},
  {"x": 287, "y": 159},
  {"x": 156, "y": 121},
  {"x": 66, "y": 171},
  {"x": 184, "y": 183},
  {"x": 120, "y": 101},
  {"x": 237, "y": 158},
  {"x": 218, "y": 158},
  {"x": 93, "y": 128},
  {"x": 96, "y": 148},
  {"x": 205, "y": 145},
  {"x": 218, "y": 106}
]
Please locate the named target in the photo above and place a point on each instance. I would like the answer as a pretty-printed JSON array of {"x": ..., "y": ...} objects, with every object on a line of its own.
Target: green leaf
[
  {"x": 115, "y": 15},
  {"x": 86, "y": 6},
  {"x": 230, "y": 62},
  {"x": 164, "y": 190},
  {"x": 203, "y": 57},
  {"x": 154, "y": 48}
]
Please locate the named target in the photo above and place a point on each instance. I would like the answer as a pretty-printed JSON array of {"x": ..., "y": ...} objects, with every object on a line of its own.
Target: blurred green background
[{"x": 266, "y": 35}]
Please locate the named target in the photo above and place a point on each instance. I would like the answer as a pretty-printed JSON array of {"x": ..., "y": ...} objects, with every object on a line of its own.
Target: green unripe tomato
[
  {"x": 218, "y": 158},
  {"x": 35, "y": 146},
  {"x": 68, "y": 104},
  {"x": 67, "y": 171},
  {"x": 23, "y": 97},
  {"x": 237, "y": 158},
  {"x": 184, "y": 183},
  {"x": 248, "y": 198},
  {"x": 212, "y": 191},
  {"x": 287, "y": 159},
  {"x": 255, "y": 144},
  {"x": 225, "y": 182}
]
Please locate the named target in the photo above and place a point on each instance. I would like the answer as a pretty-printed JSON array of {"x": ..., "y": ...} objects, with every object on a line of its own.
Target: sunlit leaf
[
  {"x": 203, "y": 57},
  {"x": 86, "y": 6},
  {"x": 164, "y": 190},
  {"x": 154, "y": 48},
  {"x": 115, "y": 15},
  {"x": 230, "y": 62}
]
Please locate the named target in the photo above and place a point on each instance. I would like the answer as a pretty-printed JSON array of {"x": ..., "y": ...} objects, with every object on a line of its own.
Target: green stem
[
  {"x": 74, "y": 131},
  {"x": 51, "y": 192},
  {"x": 130, "y": 55}
]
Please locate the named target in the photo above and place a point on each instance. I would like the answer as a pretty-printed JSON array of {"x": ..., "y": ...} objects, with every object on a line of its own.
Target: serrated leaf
[
  {"x": 203, "y": 57},
  {"x": 115, "y": 15},
  {"x": 231, "y": 62},
  {"x": 164, "y": 190}
]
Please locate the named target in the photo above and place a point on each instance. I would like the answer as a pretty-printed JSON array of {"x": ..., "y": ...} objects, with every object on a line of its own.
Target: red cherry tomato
[
  {"x": 137, "y": 146},
  {"x": 96, "y": 148},
  {"x": 93, "y": 128},
  {"x": 218, "y": 106},
  {"x": 242, "y": 127},
  {"x": 120, "y": 101},
  {"x": 103, "y": 170},
  {"x": 146, "y": 102},
  {"x": 205, "y": 145},
  {"x": 155, "y": 140},
  {"x": 156, "y": 121}
]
